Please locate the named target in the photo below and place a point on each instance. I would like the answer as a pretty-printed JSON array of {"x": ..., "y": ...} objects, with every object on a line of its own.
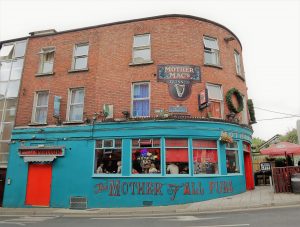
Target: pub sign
[{"x": 179, "y": 79}]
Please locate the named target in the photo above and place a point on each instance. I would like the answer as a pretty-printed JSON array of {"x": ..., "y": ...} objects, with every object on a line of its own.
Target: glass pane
[
  {"x": 140, "y": 108},
  {"x": 232, "y": 162},
  {"x": 141, "y": 40},
  {"x": 16, "y": 70},
  {"x": 98, "y": 143},
  {"x": 82, "y": 50},
  {"x": 4, "y": 70},
  {"x": 76, "y": 112},
  {"x": 41, "y": 115},
  {"x": 3, "y": 87},
  {"x": 42, "y": 99},
  {"x": 177, "y": 161},
  {"x": 118, "y": 143},
  {"x": 10, "y": 115},
  {"x": 20, "y": 48},
  {"x": 6, "y": 51},
  {"x": 146, "y": 161},
  {"x": 205, "y": 161},
  {"x": 4, "y": 151},
  {"x": 211, "y": 43},
  {"x": 13, "y": 88},
  {"x": 141, "y": 55},
  {"x": 108, "y": 143},
  {"x": 80, "y": 63},
  {"x": 6, "y": 133},
  {"x": 47, "y": 67},
  {"x": 211, "y": 58},
  {"x": 232, "y": 145},
  {"x": 176, "y": 142},
  {"x": 77, "y": 96},
  {"x": 11, "y": 103},
  {"x": 141, "y": 91},
  {"x": 1, "y": 113},
  {"x": 214, "y": 92},
  {"x": 108, "y": 161},
  {"x": 205, "y": 143}
]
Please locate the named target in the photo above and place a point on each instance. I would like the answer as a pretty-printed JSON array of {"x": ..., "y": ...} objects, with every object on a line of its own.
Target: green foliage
[
  {"x": 280, "y": 162},
  {"x": 290, "y": 136},
  {"x": 256, "y": 142},
  {"x": 231, "y": 107},
  {"x": 251, "y": 111}
]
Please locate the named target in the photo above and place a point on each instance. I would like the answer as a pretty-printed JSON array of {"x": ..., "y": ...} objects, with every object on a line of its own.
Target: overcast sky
[{"x": 268, "y": 29}]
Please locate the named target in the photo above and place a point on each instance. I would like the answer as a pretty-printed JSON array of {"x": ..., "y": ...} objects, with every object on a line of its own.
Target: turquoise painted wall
[{"x": 72, "y": 174}]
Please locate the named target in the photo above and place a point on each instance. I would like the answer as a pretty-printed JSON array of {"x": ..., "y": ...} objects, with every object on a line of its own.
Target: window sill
[
  {"x": 141, "y": 63},
  {"x": 214, "y": 66},
  {"x": 37, "y": 124},
  {"x": 78, "y": 70},
  {"x": 44, "y": 74},
  {"x": 72, "y": 122},
  {"x": 241, "y": 77}
]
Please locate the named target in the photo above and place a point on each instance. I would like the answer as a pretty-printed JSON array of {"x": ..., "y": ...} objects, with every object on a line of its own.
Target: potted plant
[{"x": 225, "y": 138}]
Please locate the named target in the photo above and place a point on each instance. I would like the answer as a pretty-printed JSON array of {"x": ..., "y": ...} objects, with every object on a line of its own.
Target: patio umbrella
[{"x": 281, "y": 149}]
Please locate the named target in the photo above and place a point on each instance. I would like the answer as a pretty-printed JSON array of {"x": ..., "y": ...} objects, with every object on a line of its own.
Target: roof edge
[{"x": 130, "y": 21}]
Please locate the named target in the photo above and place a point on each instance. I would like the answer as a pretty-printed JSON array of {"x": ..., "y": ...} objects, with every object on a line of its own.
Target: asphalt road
[{"x": 279, "y": 217}]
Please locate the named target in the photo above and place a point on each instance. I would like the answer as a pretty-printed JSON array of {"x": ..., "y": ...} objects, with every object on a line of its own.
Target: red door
[
  {"x": 38, "y": 184},
  {"x": 248, "y": 171}
]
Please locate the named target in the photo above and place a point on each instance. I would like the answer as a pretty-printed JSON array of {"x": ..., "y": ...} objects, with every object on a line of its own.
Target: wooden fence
[{"x": 282, "y": 178}]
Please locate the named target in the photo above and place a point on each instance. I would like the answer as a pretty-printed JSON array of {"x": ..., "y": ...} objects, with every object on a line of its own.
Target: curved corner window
[
  {"x": 205, "y": 156},
  {"x": 232, "y": 158}
]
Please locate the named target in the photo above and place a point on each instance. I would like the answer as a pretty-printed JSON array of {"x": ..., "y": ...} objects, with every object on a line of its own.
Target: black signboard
[{"x": 179, "y": 79}]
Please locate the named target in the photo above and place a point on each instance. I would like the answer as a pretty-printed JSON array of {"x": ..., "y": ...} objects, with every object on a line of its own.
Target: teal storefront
[{"x": 127, "y": 164}]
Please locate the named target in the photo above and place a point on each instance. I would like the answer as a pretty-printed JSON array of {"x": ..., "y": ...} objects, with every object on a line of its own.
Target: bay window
[
  {"x": 146, "y": 155},
  {"x": 205, "y": 156},
  {"x": 177, "y": 158},
  {"x": 232, "y": 158},
  {"x": 108, "y": 156}
]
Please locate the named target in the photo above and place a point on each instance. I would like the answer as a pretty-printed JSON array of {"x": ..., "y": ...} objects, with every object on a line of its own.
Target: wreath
[
  {"x": 238, "y": 95},
  {"x": 251, "y": 111}
]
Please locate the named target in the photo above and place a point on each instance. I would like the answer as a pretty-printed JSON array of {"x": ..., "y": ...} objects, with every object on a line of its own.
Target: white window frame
[
  {"x": 145, "y": 47},
  {"x": 80, "y": 56},
  {"x": 236, "y": 150},
  {"x": 217, "y": 100},
  {"x": 6, "y": 51},
  {"x": 70, "y": 104},
  {"x": 43, "y": 53},
  {"x": 133, "y": 99},
  {"x": 210, "y": 50},
  {"x": 238, "y": 65},
  {"x": 33, "y": 119}
]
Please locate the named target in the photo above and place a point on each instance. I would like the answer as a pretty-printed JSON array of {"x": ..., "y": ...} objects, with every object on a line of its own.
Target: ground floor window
[
  {"x": 205, "y": 156},
  {"x": 108, "y": 156},
  {"x": 177, "y": 158},
  {"x": 232, "y": 158},
  {"x": 146, "y": 156}
]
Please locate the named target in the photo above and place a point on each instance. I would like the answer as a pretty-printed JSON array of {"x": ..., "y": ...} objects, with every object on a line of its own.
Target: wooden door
[
  {"x": 38, "y": 184},
  {"x": 248, "y": 171}
]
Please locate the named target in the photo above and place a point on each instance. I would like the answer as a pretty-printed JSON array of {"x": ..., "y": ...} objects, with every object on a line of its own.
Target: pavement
[{"x": 260, "y": 197}]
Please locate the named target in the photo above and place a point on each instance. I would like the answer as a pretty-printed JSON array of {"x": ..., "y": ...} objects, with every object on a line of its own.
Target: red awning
[{"x": 282, "y": 149}]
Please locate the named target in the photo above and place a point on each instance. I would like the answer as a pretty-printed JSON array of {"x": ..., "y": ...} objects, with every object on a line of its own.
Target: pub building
[{"x": 145, "y": 112}]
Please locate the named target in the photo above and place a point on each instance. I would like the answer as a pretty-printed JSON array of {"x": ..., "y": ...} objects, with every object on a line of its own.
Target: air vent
[
  {"x": 78, "y": 202},
  {"x": 147, "y": 203}
]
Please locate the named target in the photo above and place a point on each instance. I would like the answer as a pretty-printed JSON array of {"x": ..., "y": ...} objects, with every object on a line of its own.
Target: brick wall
[{"x": 174, "y": 40}]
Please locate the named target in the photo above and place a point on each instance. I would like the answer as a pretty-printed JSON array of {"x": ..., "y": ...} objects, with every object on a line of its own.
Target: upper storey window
[
  {"x": 211, "y": 51},
  {"x": 80, "y": 58},
  {"x": 11, "y": 51},
  {"x": 238, "y": 66},
  {"x": 215, "y": 99},
  {"x": 140, "y": 100},
  {"x": 47, "y": 60},
  {"x": 141, "y": 49},
  {"x": 75, "y": 104},
  {"x": 40, "y": 108}
]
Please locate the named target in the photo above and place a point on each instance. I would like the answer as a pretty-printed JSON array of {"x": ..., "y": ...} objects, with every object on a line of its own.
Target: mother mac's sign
[{"x": 179, "y": 79}]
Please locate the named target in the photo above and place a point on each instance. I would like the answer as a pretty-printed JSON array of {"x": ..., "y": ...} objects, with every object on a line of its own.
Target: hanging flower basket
[{"x": 225, "y": 138}]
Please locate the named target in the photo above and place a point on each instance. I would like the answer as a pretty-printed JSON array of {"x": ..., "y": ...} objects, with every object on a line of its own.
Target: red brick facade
[{"x": 174, "y": 40}]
